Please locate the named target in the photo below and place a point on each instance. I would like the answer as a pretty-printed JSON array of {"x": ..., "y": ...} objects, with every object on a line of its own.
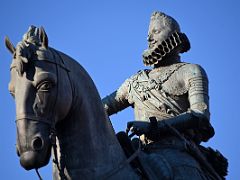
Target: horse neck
[{"x": 86, "y": 138}]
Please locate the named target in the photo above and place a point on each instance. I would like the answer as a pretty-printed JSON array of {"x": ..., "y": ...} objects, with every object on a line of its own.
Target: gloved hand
[
  {"x": 138, "y": 127},
  {"x": 152, "y": 129}
]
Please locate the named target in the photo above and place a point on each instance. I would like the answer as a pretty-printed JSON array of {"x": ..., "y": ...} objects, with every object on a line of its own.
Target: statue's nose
[{"x": 150, "y": 38}]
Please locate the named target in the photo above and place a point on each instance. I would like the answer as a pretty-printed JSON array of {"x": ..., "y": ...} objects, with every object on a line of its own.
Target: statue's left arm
[
  {"x": 198, "y": 116},
  {"x": 197, "y": 83}
]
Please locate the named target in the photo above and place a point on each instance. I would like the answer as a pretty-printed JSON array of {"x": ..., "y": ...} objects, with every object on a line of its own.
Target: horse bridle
[
  {"x": 52, "y": 124},
  {"x": 53, "y": 132}
]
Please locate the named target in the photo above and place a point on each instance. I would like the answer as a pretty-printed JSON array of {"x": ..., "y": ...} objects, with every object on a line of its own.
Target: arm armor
[
  {"x": 198, "y": 117},
  {"x": 199, "y": 101},
  {"x": 187, "y": 120},
  {"x": 118, "y": 100},
  {"x": 198, "y": 91}
]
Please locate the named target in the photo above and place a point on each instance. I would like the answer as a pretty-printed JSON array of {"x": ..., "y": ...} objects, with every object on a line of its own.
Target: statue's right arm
[{"x": 118, "y": 100}]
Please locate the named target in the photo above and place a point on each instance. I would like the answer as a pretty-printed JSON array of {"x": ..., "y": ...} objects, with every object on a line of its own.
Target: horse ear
[
  {"x": 43, "y": 37},
  {"x": 9, "y": 45}
]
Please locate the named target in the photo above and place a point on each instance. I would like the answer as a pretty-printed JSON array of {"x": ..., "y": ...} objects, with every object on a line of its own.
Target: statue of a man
[{"x": 170, "y": 102}]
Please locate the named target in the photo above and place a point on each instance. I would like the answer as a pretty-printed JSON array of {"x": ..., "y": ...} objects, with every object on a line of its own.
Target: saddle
[{"x": 215, "y": 159}]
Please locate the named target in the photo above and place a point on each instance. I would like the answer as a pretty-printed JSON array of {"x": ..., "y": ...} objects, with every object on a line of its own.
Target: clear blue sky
[{"x": 108, "y": 37}]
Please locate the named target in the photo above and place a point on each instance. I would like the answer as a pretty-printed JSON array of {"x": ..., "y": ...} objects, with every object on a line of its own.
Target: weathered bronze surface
[
  {"x": 58, "y": 107},
  {"x": 171, "y": 106}
]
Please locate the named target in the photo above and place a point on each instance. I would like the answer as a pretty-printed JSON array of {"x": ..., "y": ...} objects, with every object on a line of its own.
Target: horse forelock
[
  {"x": 34, "y": 39},
  {"x": 27, "y": 53}
]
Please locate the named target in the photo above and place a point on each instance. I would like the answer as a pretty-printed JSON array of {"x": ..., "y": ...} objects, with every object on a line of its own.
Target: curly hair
[{"x": 168, "y": 20}]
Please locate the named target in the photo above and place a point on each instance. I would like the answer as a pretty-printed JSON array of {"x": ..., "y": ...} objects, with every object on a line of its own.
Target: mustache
[{"x": 177, "y": 42}]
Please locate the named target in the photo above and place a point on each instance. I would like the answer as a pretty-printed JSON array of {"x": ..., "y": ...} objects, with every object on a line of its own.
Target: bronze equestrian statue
[
  {"x": 171, "y": 106},
  {"x": 59, "y": 112}
]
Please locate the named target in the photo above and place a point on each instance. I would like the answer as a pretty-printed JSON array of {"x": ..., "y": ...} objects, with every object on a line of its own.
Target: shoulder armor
[
  {"x": 195, "y": 77},
  {"x": 194, "y": 71},
  {"x": 175, "y": 85},
  {"x": 138, "y": 74}
]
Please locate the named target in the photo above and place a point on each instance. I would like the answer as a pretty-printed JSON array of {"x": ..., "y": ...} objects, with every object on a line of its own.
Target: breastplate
[{"x": 159, "y": 92}]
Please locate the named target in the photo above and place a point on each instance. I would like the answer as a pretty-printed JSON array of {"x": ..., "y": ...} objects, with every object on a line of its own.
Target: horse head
[{"x": 36, "y": 70}]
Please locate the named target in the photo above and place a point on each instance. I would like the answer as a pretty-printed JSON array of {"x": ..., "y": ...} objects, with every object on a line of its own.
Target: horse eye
[{"x": 45, "y": 86}]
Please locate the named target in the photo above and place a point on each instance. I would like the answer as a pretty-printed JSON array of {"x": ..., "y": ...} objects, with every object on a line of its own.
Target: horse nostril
[{"x": 37, "y": 143}]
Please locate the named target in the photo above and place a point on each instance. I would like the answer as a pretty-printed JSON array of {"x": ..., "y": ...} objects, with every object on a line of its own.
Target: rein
[
  {"x": 124, "y": 163},
  {"x": 39, "y": 176},
  {"x": 55, "y": 160}
]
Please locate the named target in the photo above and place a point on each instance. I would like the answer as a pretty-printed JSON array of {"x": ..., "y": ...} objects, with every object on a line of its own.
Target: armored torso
[{"x": 162, "y": 92}]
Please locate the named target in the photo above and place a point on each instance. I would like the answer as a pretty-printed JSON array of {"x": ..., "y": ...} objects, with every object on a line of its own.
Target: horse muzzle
[
  {"x": 32, "y": 160},
  {"x": 33, "y": 143},
  {"x": 37, "y": 155}
]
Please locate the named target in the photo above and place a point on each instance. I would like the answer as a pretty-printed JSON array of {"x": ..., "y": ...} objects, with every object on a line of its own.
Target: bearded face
[
  {"x": 158, "y": 31},
  {"x": 164, "y": 40}
]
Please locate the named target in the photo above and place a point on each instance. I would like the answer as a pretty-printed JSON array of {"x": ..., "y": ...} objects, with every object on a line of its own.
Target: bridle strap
[
  {"x": 53, "y": 135},
  {"x": 31, "y": 118},
  {"x": 60, "y": 165}
]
